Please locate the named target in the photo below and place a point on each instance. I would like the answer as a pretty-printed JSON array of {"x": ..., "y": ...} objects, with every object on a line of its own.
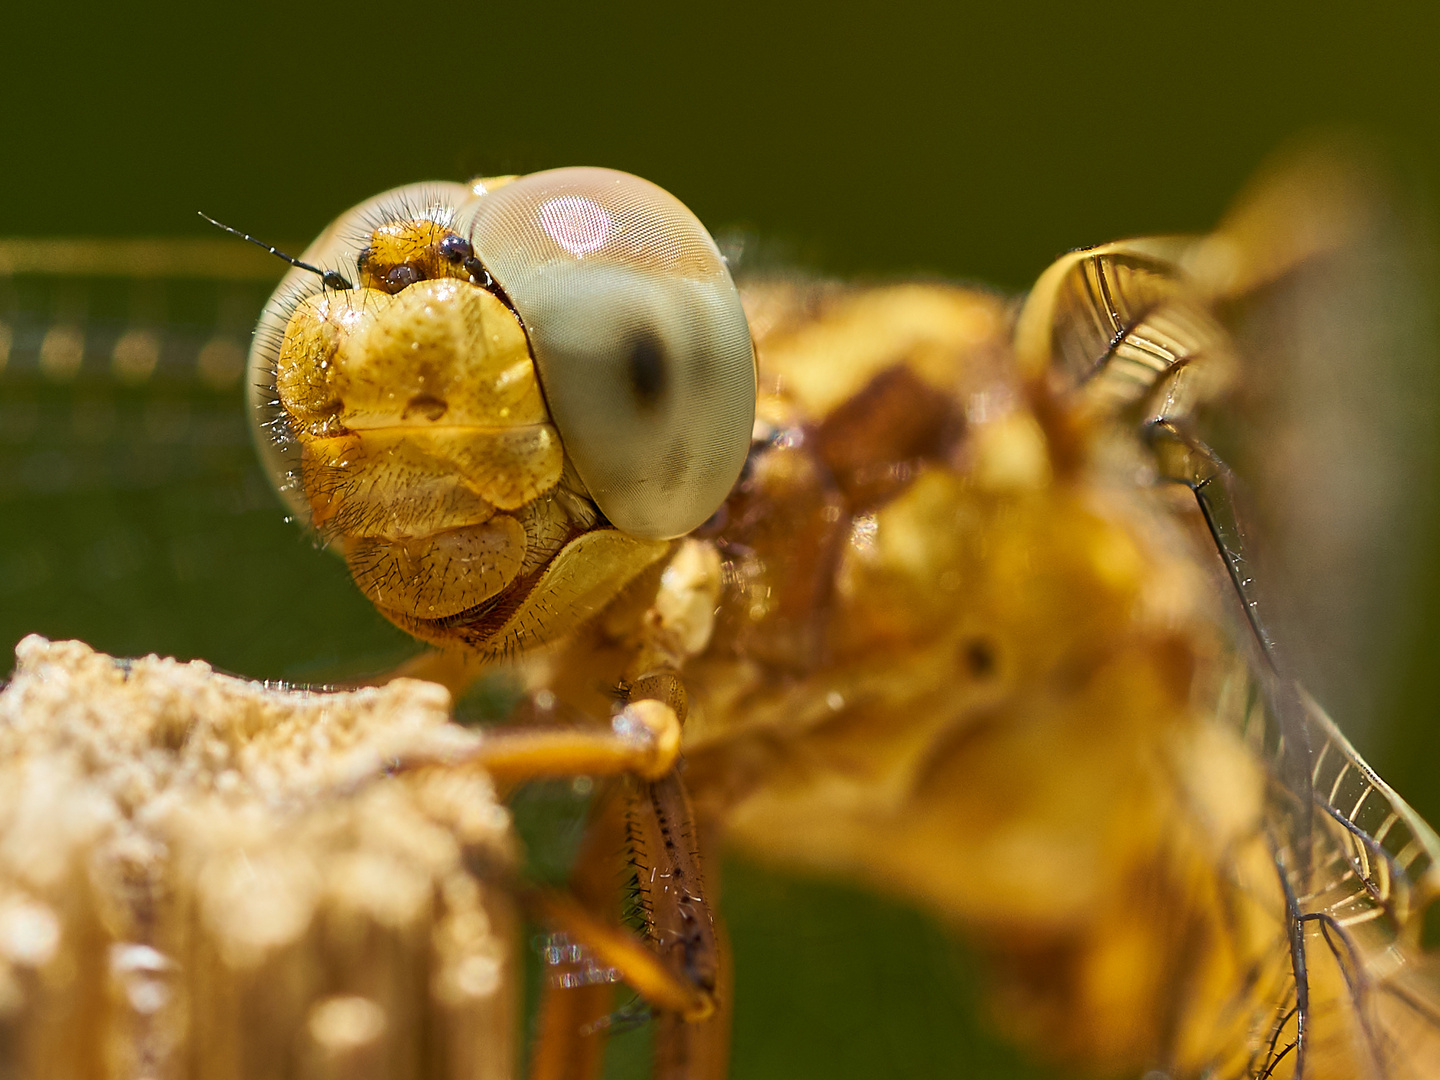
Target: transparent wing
[
  {"x": 1354, "y": 991},
  {"x": 1301, "y": 303},
  {"x": 1318, "y": 275},
  {"x": 1321, "y": 277},
  {"x": 129, "y": 310},
  {"x": 127, "y": 475},
  {"x": 1318, "y": 279},
  {"x": 104, "y": 339}
]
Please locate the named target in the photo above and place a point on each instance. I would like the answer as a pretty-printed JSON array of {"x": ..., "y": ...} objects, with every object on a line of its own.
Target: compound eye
[{"x": 639, "y": 338}]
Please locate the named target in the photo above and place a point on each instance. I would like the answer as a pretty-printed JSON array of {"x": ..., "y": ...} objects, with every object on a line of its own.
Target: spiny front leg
[
  {"x": 672, "y": 893},
  {"x": 678, "y": 967},
  {"x": 682, "y": 968},
  {"x": 665, "y": 852},
  {"x": 674, "y": 968},
  {"x": 682, "y": 926}
]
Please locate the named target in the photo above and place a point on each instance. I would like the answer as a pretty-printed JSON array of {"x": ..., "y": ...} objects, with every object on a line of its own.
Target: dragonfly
[{"x": 936, "y": 607}]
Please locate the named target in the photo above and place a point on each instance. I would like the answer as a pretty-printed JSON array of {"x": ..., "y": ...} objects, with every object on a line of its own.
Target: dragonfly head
[{"x": 534, "y": 385}]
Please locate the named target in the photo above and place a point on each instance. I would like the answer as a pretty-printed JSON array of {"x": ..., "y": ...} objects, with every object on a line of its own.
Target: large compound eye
[
  {"x": 638, "y": 335},
  {"x": 338, "y": 248}
]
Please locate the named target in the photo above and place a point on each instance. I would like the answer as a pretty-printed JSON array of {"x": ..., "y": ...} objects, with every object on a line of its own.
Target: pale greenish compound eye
[{"x": 641, "y": 344}]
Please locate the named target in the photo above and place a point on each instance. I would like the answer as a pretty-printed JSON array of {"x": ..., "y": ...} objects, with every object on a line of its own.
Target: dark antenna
[{"x": 331, "y": 278}]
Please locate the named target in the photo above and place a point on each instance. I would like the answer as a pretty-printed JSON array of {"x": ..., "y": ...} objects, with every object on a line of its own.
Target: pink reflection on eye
[{"x": 577, "y": 224}]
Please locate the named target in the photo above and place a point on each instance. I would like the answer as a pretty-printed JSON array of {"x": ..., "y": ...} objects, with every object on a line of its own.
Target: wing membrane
[
  {"x": 1321, "y": 277},
  {"x": 1327, "y": 903},
  {"x": 1360, "y": 900},
  {"x": 129, "y": 311}
]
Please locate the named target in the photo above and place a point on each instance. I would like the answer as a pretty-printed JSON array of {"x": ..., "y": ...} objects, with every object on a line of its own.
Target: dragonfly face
[
  {"x": 520, "y": 366},
  {"x": 949, "y": 632}
]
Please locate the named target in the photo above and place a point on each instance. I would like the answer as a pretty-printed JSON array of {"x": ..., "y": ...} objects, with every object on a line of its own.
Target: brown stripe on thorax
[
  {"x": 873, "y": 442},
  {"x": 860, "y": 389}
]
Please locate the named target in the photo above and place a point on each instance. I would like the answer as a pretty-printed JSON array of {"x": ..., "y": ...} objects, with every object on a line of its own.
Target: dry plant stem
[{"x": 206, "y": 878}]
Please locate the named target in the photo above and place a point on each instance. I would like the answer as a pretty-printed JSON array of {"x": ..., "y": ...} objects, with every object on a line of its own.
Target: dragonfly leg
[
  {"x": 616, "y": 947},
  {"x": 643, "y": 741},
  {"x": 672, "y": 893},
  {"x": 570, "y": 1039},
  {"x": 679, "y": 966},
  {"x": 680, "y": 969}
]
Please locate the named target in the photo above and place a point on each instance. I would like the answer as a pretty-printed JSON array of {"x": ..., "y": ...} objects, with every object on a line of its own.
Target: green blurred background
[{"x": 968, "y": 141}]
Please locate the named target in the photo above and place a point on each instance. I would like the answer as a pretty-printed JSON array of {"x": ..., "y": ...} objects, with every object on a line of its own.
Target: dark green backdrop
[{"x": 972, "y": 141}]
